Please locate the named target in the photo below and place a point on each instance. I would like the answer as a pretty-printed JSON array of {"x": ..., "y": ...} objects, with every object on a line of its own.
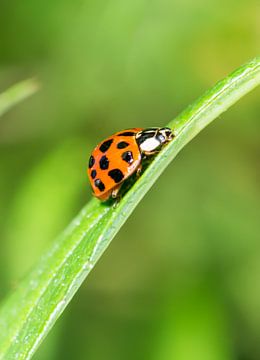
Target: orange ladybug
[{"x": 118, "y": 157}]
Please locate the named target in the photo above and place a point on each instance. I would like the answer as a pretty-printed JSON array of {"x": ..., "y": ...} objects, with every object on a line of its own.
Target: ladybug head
[{"x": 151, "y": 140}]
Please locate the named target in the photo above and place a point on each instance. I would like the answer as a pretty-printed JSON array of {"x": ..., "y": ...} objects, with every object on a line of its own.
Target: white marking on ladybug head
[
  {"x": 149, "y": 145},
  {"x": 152, "y": 139},
  {"x": 167, "y": 133}
]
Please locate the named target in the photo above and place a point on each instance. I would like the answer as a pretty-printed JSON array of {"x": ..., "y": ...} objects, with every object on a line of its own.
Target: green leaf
[
  {"x": 16, "y": 94},
  {"x": 45, "y": 221},
  {"x": 31, "y": 311}
]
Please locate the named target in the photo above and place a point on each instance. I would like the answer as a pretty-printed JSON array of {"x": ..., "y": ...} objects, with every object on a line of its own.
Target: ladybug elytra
[{"x": 118, "y": 157}]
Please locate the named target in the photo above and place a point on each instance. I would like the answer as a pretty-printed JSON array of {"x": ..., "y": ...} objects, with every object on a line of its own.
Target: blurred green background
[{"x": 182, "y": 279}]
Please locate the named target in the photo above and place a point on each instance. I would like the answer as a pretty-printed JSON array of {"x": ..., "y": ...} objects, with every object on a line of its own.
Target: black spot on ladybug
[
  {"x": 126, "y": 133},
  {"x": 128, "y": 157},
  {"x": 116, "y": 175},
  {"x": 106, "y": 145},
  {"x": 91, "y": 162},
  {"x": 99, "y": 184},
  {"x": 104, "y": 163},
  {"x": 93, "y": 174},
  {"x": 122, "y": 145}
]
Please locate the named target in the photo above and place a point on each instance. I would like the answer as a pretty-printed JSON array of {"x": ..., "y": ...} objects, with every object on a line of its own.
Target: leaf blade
[{"x": 17, "y": 93}]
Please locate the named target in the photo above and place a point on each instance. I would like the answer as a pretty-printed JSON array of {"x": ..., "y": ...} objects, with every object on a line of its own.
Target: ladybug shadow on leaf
[{"x": 128, "y": 183}]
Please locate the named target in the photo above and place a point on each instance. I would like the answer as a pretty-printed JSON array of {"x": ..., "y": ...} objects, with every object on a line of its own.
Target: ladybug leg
[
  {"x": 115, "y": 192},
  {"x": 115, "y": 196},
  {"x": 150, "y": 153},
  {"x": 138, "y": 171}
]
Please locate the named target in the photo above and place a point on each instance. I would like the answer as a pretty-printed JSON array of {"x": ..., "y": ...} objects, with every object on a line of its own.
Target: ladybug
[{"x": 119, "y": 156}]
